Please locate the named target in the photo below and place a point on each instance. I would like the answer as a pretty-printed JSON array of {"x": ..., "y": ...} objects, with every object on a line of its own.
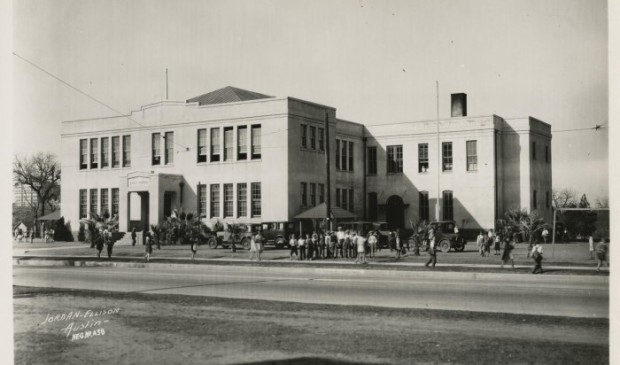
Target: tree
[
  {"x": 565, "y": 198},
  {"x": 97, "y": 222},
  {"x": 528, "y": 224},
  {"x": 42, "y": 174},
  {"x": 602, "y": 202}
]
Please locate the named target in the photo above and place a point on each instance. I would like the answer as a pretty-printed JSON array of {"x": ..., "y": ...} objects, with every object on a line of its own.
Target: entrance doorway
[
  {"x": 138, "y": 209},
  {"x": 395, "y": 212}
]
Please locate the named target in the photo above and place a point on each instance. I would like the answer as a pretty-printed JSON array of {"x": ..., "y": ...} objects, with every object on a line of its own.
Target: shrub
[
  {"x": 61, "y": 231},
  {"x": 81, "y": 233}
]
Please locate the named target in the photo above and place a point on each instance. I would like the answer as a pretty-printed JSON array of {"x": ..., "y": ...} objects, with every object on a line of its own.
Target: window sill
[
  {"x": 226, "y": 162},
  {"x": 394, "y": 173},
  {"x": 472, "y": 171}
]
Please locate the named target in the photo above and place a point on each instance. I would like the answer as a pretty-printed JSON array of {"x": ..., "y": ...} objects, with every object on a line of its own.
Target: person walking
[
  {"x": 193, "y": 247},
  {"x": 301, "y": 243},
  {"x": 537, "y": 255},
  {"x": 507, "y": 255},
  {"x": 602, "y": 250},
  {"x": 591, "y": 247},
  {"x": 52, "y": 234},
  {"x": 333, "y": 244},
  {"x": 397, "y": 245},
  {"x": 133, "y": 236},
  {"x": 545, "y": 235},
  {"x": 259, "y": 242},
  {"x": 253, "y": 253},
  {"x": 372, "y": 243},
  {"x": 340, "y": 236},
  {"x": 292, "y": 244},
  {"x": 480, "y": 243},
  {"x": 432, "y": 253},
  {"x": 489, "y": 242},
  {"x": 108, "y": 242},
  {"x": 498, "y": 241},
  {"x": 392, "y": 240},
  {"x": 360, "y": 242},
  {"x": 99, "y": 243},
  {"x": 148, "y": 249},
  {"x": 32, "y": 234}
]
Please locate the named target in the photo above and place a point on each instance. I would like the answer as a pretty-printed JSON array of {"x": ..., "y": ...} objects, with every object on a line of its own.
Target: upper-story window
[
  {"x": 344, "y": 155},
  {"x": 395, "y": 159},
  {"x": 83, "y": 154},
  {"x": 156, "y": 149},
  {"x": 94, "y": 153},
  {"x": 304, "y": 135},
  {"x": 446, "y": 149},
  {"x": 242, "y": 142},
  {"x": 312, "y": 194},
  {"x": 228, "y": 143},
  {"x": 313, "y": 137},
  {"x": 202, "y": 145},
  {"x": 116, "y": 151},
  {"x": 321, "y": 193},
  {"x": 533, "y": 150},
  {"x": 105, "y": 152},
  {"x": 423, "y": 157},
  {"x": 256, "y": 142},
  {"x": 126, "y": 151},
  {"x": 547, "y": 158},
  {"x": 337, "y": 154},
  {"x": 534, "y": 200},
  {"x": 472, "y": 155},
  {"x": 350, "y": 156},
  {"x": 215, "y": 144},
  {"x": 169, "y": 156},
  {"x": 372, "y": 161},
  {"x": 304, "y": 194},
  {"x": 321, "y": 139}
]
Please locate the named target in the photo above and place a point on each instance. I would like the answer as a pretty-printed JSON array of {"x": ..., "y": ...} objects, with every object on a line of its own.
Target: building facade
[{"x": 238, "y": 156}]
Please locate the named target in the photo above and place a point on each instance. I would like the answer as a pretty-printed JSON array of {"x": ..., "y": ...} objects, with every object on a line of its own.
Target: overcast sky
[{"x": 375, "y": 61}]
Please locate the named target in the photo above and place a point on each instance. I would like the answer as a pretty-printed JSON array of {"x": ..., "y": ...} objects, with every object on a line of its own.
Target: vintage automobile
[
  {"x": 446, "y": 239},
  {"x": 242, "y": 237},
  {"x": 275, "y": 233}
]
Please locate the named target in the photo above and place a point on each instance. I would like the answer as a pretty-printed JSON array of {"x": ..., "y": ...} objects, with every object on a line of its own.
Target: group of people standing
[
  {"x": 104, "y": 238},
  {"x": 325, "y": 245}
]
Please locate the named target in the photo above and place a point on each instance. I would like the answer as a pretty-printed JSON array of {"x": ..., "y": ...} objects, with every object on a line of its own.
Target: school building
[{"x": 239, "y": 156}]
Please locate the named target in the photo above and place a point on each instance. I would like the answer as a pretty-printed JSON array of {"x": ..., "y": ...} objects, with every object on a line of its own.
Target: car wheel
[
  {"x": 245, "y": 243},
  {"x": 444, "y": 245},
  {"x": 212, "y": 242}
]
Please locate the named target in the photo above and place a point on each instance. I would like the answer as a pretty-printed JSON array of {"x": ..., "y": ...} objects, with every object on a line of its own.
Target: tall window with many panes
[
  {"x": 228, "y": 200},
  {"x": 313, "y": 137},
  {"x": 472, "y": 155},
  {"x": 242, "y": 200},
  {"x": 83, "y": 154},
  {"x": 304, "y": 194},
  {"x": 256, "y": 142},
  {"x": 312, "y": 194},
  {"x": 228, "y": 143},
  {"x": 83, "y": 204},
  {"x": 202, "y": 146},
  {"x": 156, "y": 149},
  {"x": 115, "y": 199},
  {"x": 446, "y": 156},
  {"x": 215, "y": 144},
  {"x": 105, "y": 152},
  {"x": 116, "y": 151},
  {"x": 202, "y": 200},
  {"x": 94, "y": 153},
  {"x": 423, "y": 157},
  {"x": 256, "y": 200},
  {"x": 126, "y": 151},
  {"x": 372, "y": 161},
  {"x": 104, "y": 201},
  {"x": 395, "y": 159},
  {"x": 93, "y": 201},
  {"x": 321, "y": 139},
  {"x": 304, "y": 135},
  {"x": 215, "y": 200},
  {"x": 242, "y": 142},
  {"x": 169, "y": 155}
]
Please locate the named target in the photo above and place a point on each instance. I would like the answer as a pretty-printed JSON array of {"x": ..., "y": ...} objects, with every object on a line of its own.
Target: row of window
[
  {"x": 228, "y": 204},
  {"x": 344, "y": 199},
  {"x": 223, "y": 150},
  {"x": 344, "y": 155},
  {"x": 98, "y": 202},
  {"x": 314, "y": 140},
  {"x": 313, "y": 194},
  {"x": 100, "y": 157},
  {"x": 395, "y": 158},
  {"x": 547, "y": 154}
]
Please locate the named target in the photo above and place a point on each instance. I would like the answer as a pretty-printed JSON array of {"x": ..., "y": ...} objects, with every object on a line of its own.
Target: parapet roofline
[{"x": 435, "y": 120}]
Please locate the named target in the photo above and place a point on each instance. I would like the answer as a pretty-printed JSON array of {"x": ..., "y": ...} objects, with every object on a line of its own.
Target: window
[
  {"x": 372, "y": 206},
  {"x": 547, "y": 159},
  {"x": 313, "y": 137},
  {"x": 321, "y": 139},
  {"x": 448, "y": 207},
  {"x": 228, "y": 143},
  {"x": 312, "y": 194},
  {"x": 351, "y": 200},
  {"x": 256, "y": 200},
  {"x": 338, "y": 197},
  {"x": 83, "y": 154},
  {"x": 256, "y": 142},
  {"x": 126, "y": 151},
  {"x": 304, "y": 132},
  {"x": 242, "y": 200},
  {"x": 344, "y": 197},
  {"x": 116, "y": 151},
  {"x": 105, "y": 152},
  {"x": 395, "y": 159},
  {"x": 304, "y": 196},
  {"x": 337, "y": 154},
  {"x": 115, "y": 198},
  {"x": 215, "y": 200},
  {"x": 350, "y": 156},
  {"x": 202, "y": 200},
  {"x": 446, "y": 149},
  {"x": 94, "y": 153},
  {"x": 93, "y": 201},
  {"x": 343, "y": 155},
  {"x": 228, "y": 200},
  {"x": 104, "y": 201},
  {"x": 423, "y": 157},
  {"x": 156, "y": 148},
  {"x": 242, "y": 142},
  {"x": 472, "y": 155},
  {"x": 372, "y": 161},
  {"x": 424, "y": 207},
  {"x": 548, "y": 200},
  {"x": 202, "y": 146},
  {"x": 321, "y": 193},
  {"x": 533, "y": 150},
  {"x": 83, "y": 202},
  {"x": 534, "y": 200},
  {"x": 215, "y": 144},
  {"x": 169, "y": 156}
]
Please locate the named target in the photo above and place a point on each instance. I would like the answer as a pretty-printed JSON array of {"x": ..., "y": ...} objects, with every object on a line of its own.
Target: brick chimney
[{"x": 459, "y": 105}]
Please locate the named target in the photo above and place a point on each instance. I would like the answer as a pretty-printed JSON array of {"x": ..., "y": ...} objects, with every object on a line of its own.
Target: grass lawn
[{"x": 172, "y": 329}]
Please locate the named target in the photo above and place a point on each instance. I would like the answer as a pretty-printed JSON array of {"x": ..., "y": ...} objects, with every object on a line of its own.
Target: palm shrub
[{"x": 98, "y": 222}]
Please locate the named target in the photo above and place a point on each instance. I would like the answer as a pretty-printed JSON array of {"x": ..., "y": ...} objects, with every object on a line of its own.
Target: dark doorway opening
[{"x": 395, "y": 212}]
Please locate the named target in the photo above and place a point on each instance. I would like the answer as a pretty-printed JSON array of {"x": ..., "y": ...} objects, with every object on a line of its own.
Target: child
[{"x": 149, "y": 247}]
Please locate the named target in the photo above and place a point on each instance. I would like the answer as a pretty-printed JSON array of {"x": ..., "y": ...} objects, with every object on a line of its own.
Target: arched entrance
[{"x": 395, "y": 212}]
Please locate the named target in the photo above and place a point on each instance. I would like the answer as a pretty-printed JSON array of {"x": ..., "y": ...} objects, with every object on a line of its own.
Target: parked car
[
  {"x": 275, "y": 233},
  {"x": 226, "y": 238},
  {"x": 446, "y": 239}
]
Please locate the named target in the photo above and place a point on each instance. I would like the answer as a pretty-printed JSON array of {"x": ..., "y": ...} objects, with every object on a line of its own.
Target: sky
[{"x": 375, "y": 61}]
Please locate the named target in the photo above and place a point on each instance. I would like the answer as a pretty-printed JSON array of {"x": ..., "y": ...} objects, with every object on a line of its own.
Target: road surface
[{"x": 557, "y": 295}]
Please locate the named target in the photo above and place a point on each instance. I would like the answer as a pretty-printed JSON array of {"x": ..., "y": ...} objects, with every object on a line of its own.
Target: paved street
[{"x": 558, "y": 295}]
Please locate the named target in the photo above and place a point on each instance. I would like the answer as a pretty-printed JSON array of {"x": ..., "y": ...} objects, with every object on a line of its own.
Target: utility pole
[
  {"x": 166, "y": 83},
  {"x": 328, "y": 200},
  {"x": 437, "y": 216}
]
